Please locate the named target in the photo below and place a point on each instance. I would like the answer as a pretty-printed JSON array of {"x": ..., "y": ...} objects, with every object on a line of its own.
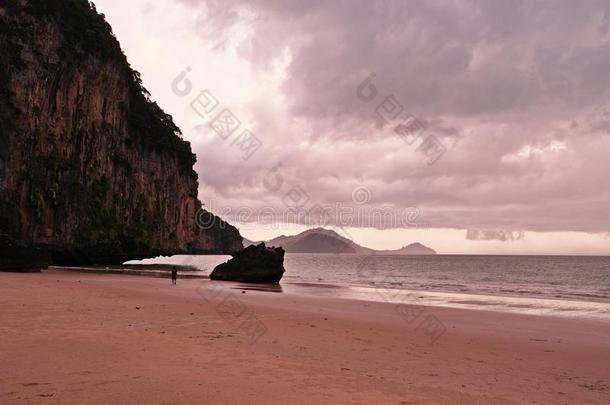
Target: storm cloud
[{"x": 513, "y": 95}]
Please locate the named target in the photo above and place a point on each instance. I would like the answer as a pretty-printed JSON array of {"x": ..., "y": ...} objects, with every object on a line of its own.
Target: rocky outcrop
[
  {"x": 254, "y": 264},
  {"x": 91, "y": 170}
]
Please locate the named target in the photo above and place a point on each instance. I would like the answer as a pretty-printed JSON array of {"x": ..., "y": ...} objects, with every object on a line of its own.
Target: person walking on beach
[{"x": 174, "y": 275}]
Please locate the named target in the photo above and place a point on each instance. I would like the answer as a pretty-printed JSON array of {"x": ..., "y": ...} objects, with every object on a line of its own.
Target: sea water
[{"x": 546, "y": 285}]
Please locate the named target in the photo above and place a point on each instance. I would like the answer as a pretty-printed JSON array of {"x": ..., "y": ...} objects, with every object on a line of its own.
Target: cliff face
[{"x": 91, "y": 170}]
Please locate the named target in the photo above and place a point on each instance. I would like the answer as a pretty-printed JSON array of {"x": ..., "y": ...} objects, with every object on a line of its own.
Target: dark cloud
[
  {"x": 503, "y": 236},
  {"x": 515, "y": 90}
]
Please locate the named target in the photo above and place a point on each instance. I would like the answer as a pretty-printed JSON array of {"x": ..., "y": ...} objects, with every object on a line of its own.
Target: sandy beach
[{"x": 72, "y": 338}]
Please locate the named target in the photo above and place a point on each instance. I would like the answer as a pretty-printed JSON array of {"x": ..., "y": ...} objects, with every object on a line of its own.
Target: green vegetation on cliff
[
  {"x": 91, "y": 169},
  {"x": 84, "y": 27}
]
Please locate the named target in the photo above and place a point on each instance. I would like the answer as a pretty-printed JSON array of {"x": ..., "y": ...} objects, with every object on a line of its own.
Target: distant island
[{"x": 320, "y": 240}]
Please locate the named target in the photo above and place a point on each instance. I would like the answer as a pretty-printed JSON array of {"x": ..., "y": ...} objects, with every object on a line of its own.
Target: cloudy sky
[{"x": 470, "y": 126}]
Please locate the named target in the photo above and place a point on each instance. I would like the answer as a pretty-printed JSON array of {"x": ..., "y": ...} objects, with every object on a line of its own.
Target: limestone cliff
[{"x": 91, "y": 170}]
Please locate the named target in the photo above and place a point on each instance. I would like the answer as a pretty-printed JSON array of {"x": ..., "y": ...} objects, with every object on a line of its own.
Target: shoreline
[
  {"x": 503, "y": 303},
  {"x": 71, "y": 337}
]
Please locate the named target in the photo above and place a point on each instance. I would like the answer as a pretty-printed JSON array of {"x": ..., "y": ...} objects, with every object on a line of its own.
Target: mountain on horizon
[{"x": 320, "y": 240}]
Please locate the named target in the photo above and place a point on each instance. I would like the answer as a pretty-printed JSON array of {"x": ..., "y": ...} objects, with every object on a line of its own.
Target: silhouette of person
[{"x": 174, "y": 275}]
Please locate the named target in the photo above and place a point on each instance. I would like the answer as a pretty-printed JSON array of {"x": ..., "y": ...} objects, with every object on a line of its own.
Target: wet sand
[{"x": 71, "y": 338}]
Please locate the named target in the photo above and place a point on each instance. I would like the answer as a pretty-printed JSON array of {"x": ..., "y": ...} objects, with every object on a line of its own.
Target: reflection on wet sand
[{"x": 275, "y": 288}]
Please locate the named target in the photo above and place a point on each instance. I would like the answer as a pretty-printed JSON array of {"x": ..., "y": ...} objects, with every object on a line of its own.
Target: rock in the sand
[{"x": 254, "y": 264}]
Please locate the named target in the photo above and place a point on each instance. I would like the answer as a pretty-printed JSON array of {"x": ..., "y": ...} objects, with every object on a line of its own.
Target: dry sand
[{"x": 70, "y": 338}]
